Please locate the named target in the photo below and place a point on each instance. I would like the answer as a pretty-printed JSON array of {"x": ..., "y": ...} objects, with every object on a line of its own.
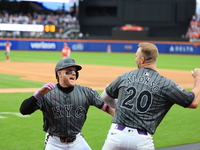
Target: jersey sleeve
[
  {"x": 113, "y": 89},
  {"x": 28, "y": 106},
  {"x": 179, "y": 96},
  {"x": 95, "y": 98}
]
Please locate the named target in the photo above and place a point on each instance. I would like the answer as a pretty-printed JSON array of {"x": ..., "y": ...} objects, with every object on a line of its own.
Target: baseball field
[{"x": 29, "y": 70}]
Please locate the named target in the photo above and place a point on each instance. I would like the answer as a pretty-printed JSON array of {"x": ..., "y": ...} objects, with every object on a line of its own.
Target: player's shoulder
[
  {"x": 134, "y": 71},
  {"x": 84, "y": 90},
  {"x": 80, "y": 87}
]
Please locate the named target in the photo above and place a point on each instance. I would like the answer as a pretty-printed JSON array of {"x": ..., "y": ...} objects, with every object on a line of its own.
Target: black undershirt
[
  {"x": 27, "y": 107},
  {"x": 65, "y": 90}
]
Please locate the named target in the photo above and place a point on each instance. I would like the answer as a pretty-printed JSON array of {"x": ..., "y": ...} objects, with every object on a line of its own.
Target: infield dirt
[{"x": 96, "y": 77}]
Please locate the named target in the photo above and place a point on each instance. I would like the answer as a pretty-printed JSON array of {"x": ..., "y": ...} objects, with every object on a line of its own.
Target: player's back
[{"x": 141, "y": 98}]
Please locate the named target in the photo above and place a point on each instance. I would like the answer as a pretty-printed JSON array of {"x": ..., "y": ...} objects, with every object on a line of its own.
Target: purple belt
[{"x": 121, "y": 128}]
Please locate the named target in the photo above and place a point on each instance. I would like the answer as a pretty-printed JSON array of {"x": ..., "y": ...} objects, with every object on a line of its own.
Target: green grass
[
  {"x": 33, "y": 56},
  {"x": 165, "y": 61},
  {"x": 178, "y": 62},
  {"x": 180, "y": 126},
  {"x": 25, "y": 133},
  {"x": 7, "y": 81},
  {"x": 19, "y": 133}
]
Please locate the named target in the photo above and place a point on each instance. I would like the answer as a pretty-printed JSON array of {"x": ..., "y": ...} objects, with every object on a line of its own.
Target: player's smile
[
  {"x": 72, "y": 79},
  {"x": 67, "y": 76},
  {"x": 71, "y": 73},
  {"x": 71, "y": 76}
]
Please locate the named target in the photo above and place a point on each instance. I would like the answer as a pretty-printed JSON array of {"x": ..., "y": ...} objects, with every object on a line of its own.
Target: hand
[
  {"x": 196, "y": 72},
  {"x": 44, "y": 90}
]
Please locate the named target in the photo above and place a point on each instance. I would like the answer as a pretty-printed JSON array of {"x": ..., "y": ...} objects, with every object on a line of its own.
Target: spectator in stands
[
  {"x": 193, "y": 31},
  {"x": 63, "y": 19}
]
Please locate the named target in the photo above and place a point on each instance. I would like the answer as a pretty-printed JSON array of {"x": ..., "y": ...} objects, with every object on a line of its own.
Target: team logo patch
[{"x": 146, "y": 73}]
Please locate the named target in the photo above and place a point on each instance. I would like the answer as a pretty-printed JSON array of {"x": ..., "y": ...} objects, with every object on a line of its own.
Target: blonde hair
[{"x": 149, "y": 51}]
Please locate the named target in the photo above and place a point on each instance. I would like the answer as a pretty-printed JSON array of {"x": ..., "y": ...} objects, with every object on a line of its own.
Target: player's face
[
  {"x": 67, "y": 77},
  {"x": 138, "y": 57}
]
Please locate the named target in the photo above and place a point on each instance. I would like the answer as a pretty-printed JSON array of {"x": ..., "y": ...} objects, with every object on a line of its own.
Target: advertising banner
[{"x": 101, "y": 46}]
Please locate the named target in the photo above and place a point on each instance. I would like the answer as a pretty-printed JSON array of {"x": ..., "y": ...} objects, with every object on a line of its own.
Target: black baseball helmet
[{"x": 67, "y": 62}]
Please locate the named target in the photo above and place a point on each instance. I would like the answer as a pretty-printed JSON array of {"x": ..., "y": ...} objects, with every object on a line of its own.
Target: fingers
[
  {"x": 195, "y": 72},
  {"x": 192, "y": 72},
  {"x": 50, "y": 86},
  {"x": 46, "y": 88}
]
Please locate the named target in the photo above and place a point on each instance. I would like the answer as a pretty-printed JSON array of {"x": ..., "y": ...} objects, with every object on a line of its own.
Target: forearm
[
  {"x": 108, "y": 100},
  {"x": 111, "y": 111},
  {"x": 108, "y": 109},
  {"x": 196, "y": 89},
  {"x": 28, "y": 106}
]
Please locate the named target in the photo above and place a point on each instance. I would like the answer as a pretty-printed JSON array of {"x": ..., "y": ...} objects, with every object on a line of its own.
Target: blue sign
[{"x": 98, "y": 46}]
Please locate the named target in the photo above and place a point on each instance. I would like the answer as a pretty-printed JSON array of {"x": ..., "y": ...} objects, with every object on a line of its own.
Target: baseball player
[
  {"x": 64, "y": 106},
  {"x": 7, "y": 53},
  {"x": 66, "y": 51},
  {"x": 108, "y": 48},
  {"x": 141, "y": 99}
]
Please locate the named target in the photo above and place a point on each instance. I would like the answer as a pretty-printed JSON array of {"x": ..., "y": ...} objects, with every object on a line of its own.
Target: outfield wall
[{"x": 99, "y": 45}]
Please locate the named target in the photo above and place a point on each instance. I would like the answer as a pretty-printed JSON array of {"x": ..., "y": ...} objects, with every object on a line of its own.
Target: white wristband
[{"x": 37, "y": 95}]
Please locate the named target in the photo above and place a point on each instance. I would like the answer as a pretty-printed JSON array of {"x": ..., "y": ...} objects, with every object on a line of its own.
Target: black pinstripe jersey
[
  {"x": 144, "y": 98},
  {"x": 64, "y": 114}
]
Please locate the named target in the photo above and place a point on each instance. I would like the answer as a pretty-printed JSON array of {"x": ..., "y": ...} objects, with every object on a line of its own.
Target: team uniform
[
  {"x": 143, "y": 99},
  {"x": 109, "y": 49},
  {"x": 64, "y": 111},
  {"x": 64, "y": 107},
  {"x": 7, "y": 53},
  {"x": 66, "y": 51}
]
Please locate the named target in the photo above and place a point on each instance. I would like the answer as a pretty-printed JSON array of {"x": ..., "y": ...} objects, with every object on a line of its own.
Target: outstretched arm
[
  {"x": 196, "y": 89},
  {"x": 111, "y": 111},
  {"x": 108, "y": 109},
  {"x": 28, "y": 106},
  {"x": 44, "y": 90},
  {"x": 109, "y": 100}
]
